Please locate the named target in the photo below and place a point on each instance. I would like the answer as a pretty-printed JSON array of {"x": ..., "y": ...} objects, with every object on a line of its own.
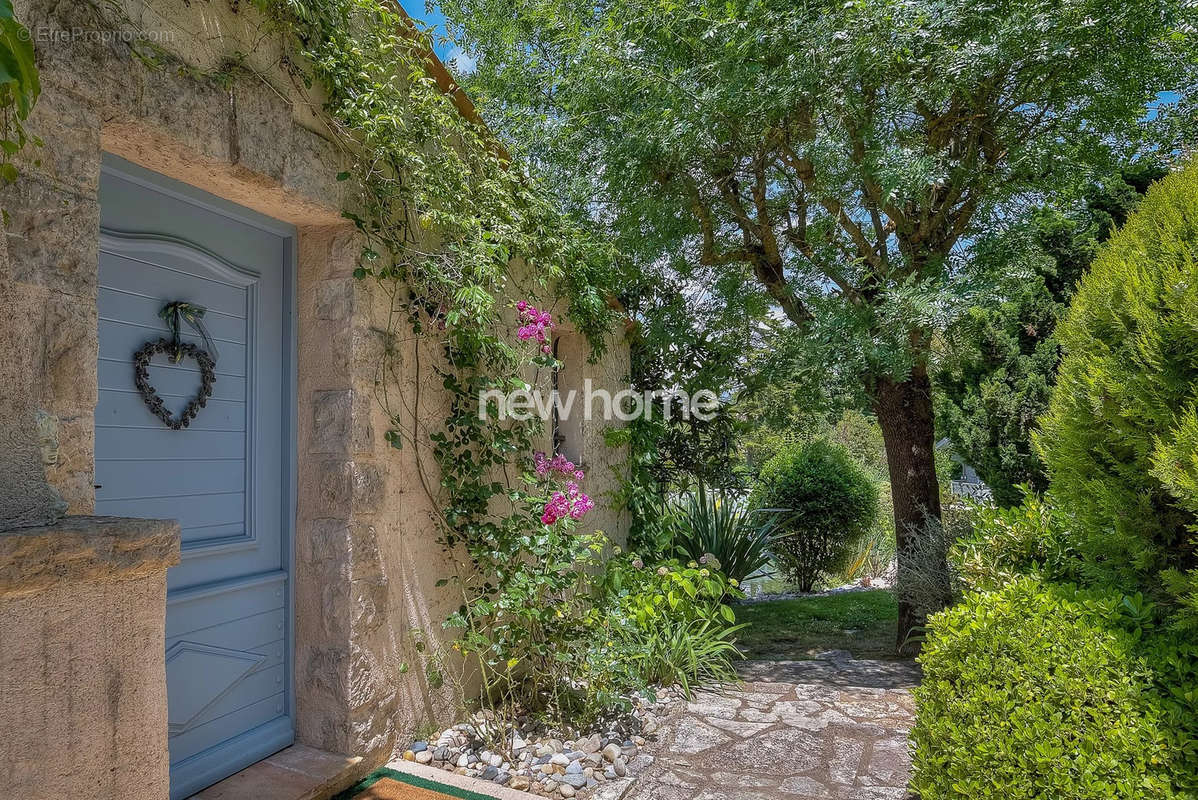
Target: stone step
[{"x": 297, "y": 773}]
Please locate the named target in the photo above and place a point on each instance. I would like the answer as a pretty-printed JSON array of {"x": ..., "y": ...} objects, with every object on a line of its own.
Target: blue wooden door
[{"x": 226, "y": 477}]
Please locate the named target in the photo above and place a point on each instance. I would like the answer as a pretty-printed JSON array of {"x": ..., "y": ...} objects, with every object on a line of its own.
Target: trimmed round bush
[
  {"x": 1120, "y": 439},
  {"x": 1031, "y": 691},
  {"x": 825, "y": 505}
]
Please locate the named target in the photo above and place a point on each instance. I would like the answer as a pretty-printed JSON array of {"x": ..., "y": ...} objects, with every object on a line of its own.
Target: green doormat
[{"x": 388, "y": 784}]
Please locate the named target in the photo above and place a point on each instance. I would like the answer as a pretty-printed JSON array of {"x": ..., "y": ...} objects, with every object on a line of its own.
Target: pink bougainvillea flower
[
  {"x": 573, "y": 503},
  {"x": 581, "y": 505},
  {"x": 543, "y": 465},
  {"x": 557, "y": 508},
  {"x": 534, "y": 323}
]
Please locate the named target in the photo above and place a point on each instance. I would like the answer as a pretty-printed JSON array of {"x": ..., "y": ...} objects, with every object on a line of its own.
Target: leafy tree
[
  {"x": 1000, "y": 359},
  {"x": 824, "y": 157}
]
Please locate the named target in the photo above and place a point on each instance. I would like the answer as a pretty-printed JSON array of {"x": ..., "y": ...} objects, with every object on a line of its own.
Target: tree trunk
[{"x": 904, "y": 411}]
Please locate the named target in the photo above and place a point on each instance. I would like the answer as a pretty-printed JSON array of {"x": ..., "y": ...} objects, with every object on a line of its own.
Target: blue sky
[{"x": 446, "y": 51}]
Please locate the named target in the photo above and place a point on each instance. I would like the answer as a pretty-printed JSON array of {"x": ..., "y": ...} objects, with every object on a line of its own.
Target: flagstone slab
[{"x": 833, "y": 728}]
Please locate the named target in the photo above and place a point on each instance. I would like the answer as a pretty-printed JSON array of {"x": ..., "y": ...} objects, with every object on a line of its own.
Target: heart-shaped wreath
[{"x": 177, "y": 350}]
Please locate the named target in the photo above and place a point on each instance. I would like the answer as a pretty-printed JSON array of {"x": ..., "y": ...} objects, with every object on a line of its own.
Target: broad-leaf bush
[
  {"x": 1174, "y": 662},
  {"x": 1036, "y": 691},
  {"x": 668, "y": 622},
  {"x": 999, "y": 545},
  {"x": 1121, "y": 436},
  {"x": 824, "y": 504}
]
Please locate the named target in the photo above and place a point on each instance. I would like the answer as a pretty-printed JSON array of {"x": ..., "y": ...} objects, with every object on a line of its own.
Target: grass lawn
[{"x": 861, "y": 622}]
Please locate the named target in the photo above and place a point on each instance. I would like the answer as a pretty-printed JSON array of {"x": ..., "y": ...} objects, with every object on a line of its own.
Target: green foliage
[
  {"x": 686, "y": 340},
  {"x": 524, "y": 619},
  {"x": 688, "y": 654},
  {"x": 1174, "y": 662},
  {"x": 861, "y": 436},
  {"x": 875, "y": 553},
  {"x": 788, "y": 400},
  {"x": 643, "y": 491},
  {"x": 1119, "y": 439},
  {"x": 859, "y": 433},
  {"x": 647, "y": 594},
  {"x": 824, "y": 504},
  {"x": 19, "y": 89},
  {"x": 669, "y": 621},
  {"x": 720, "y": 526},
  {"x": 995, "y": 382},
  {"x": 1035, "y": 691},
  {"x": 1000, "y": 359},
  {"x": 999, "y": 545},
  {"x": 815, "y": 108}
]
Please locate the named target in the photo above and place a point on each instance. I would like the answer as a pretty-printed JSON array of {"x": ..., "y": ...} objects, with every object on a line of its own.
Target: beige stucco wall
[
  {"x": 227, "y": 118},
  {"x": 586, "y": 438},
  {"x": 82, "y": 677}
]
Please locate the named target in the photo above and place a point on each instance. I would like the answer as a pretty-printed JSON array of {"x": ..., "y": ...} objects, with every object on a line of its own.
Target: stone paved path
[{"x": 833, "y": 728}]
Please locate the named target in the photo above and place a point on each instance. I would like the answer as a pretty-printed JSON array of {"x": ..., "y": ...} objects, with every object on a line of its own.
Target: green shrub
[
  {"x": 1001, "y": 544},
  {"x": 687, "y": 654},
  {"x": 1035, "y": 691},
  {"x": 1174, "y": 662},
  {"x": 719, "y": 524},
  {"x": 825, "y": 505},
  {"x": 1120, "y": 439},
  {"x": 666, "y": 623}
]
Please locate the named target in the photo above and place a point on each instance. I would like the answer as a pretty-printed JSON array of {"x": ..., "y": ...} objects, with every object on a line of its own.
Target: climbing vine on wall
[
  {"x": 443, "y": 215},
  {"x": 19, "y": 90}
]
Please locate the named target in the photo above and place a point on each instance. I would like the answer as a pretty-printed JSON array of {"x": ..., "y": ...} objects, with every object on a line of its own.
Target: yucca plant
[{"x": 721, "y": 525}]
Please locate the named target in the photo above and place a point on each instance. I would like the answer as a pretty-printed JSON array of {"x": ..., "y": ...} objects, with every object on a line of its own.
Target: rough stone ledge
[{"x": 85, "y": 549}]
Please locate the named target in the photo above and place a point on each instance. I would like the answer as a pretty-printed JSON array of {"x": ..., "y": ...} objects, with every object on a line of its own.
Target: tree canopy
[
  {"x": 821, "y": 166},
  {"x": 824, "y": 158}
]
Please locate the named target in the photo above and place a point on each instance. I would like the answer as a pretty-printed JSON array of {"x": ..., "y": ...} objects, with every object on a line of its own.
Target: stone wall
[
  {"x": 82, "y": 676},
  {"x": 367, "y": 557}
]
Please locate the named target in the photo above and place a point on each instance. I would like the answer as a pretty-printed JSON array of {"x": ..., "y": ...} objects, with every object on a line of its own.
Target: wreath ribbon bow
[{"x": 180, "y": 311}]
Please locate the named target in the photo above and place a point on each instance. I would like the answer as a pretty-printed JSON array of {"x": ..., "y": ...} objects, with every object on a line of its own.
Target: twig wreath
[{"x": 173, "y": 313}]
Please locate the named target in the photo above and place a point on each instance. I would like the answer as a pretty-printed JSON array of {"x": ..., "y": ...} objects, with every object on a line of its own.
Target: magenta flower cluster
[
  {"x": 559, "y": 463},
  {"x": 535, "y": 324},
  {"x": 573, "y": 502}
]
